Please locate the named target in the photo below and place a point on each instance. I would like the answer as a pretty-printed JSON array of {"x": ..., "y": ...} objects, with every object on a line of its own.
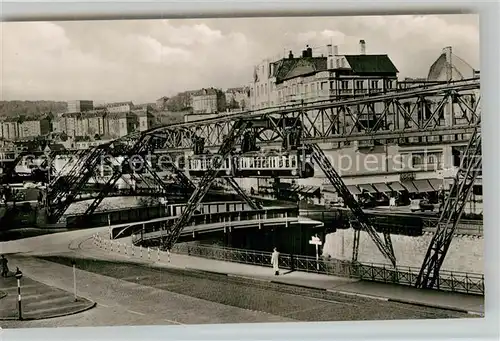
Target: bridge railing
[
  {"x": 155, "y": 229},
  {"x": 455, "y": 281}
]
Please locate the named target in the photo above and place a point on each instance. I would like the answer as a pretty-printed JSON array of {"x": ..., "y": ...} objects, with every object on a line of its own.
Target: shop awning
[
  {"x": 329, "y": 188},
  {"x": 410, "y": 187},
  {"x": 423, "y": 186},
  {"x": 309, "y": 190},
  {"x": 382, "y": 188},
  {"x": 436, "y": 183},
  {"x": 368, "y": 188},
  {"x": 396, "y": 186},
  {"x": 353, "y": 189}
]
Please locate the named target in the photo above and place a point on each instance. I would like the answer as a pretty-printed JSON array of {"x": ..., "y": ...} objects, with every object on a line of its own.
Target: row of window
[{"x": 256, "y": 162}]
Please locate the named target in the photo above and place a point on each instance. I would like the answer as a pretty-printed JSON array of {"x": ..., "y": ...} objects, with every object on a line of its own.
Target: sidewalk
[
  {"x": 398, "y": 293},
  {"x": 39, "y": 301}
]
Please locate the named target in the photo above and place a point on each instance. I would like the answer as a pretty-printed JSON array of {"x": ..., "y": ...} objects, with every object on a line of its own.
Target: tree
[{"x": 233, "y": 104}]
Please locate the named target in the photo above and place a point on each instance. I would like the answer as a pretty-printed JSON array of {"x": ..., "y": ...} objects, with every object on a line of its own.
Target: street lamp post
[
  {"x": 19, "y": 275},
  {"x": 74, "y": 279}
]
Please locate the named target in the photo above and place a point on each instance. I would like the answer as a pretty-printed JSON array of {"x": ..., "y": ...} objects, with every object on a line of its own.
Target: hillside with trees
[
  {"x": 30, "y": 108},
  {"x": 179, "y": 102}
]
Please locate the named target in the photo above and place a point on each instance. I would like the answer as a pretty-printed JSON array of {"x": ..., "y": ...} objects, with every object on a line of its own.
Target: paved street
[{"x": 130, "y": 294}]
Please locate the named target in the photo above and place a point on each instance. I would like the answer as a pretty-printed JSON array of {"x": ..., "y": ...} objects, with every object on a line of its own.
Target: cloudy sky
[{"x": 142, "y": 60}]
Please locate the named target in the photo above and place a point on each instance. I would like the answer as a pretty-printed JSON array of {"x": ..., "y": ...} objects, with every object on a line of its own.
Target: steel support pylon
[
  {"x": 470, "y": 168},
  {"x": 363, "y": 221},
  {"x": 205, "y": 183},
  {"x": 254, "y": 205}
]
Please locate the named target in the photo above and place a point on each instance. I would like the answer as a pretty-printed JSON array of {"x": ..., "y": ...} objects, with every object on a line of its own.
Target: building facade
[
  {"x": 119, "y": 107},
  {"x": 208, "y": 101},
  {"x": 121, "y": 124},
  {"x": 32, "y": 128},
  {"x": 10, "y": 128},
  {"x": 310, "y": 78},
  {"x": 79, "y": 106},
  {"x": 237, "y": 99}
]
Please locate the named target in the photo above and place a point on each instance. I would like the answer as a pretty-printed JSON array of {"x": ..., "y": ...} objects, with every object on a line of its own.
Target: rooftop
[{"x": 371, "y": 63}]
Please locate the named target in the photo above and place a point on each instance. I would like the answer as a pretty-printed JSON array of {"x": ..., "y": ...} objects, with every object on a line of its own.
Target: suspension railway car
[{"x": 256, "y": 164}]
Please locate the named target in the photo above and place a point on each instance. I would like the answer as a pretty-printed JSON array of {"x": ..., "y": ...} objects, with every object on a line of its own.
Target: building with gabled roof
[{"x": 311, "y": 78}]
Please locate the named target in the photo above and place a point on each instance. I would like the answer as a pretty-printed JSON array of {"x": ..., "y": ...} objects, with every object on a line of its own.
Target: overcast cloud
[{"x": 142, "y": 60}]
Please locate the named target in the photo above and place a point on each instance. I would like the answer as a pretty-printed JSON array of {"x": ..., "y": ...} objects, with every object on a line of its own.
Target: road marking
[
  {"x": 250, "y": 278},
  {"x": 135, "y": 312},
  {"x": 358, "y": 295},
  {"x": 174, "y": 322}
]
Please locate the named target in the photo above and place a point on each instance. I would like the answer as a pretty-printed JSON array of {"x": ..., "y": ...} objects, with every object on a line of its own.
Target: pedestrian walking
[
  {"x": 5, "y": 268},
  {"x": 275, "y": 261}
]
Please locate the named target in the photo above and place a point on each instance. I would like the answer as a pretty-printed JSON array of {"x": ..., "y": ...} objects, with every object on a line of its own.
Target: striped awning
[
  {"x": 410, "y": 187},
  {"x": 423, "y": 186},
  {"x": 368, "y": 188},
  {"x": 396, "y": 186},
  {"x": 353, "y": 189},
  {"x": 382, "y": 188},
  {"x": 436, "y": 183}
]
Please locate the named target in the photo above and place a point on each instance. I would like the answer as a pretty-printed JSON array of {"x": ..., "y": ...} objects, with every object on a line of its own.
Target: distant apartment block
[
  {"x": 121, "y": 124},
  {"x": 208, "y": 101},
  {"x": 10, "y": 128},
  {"x": 80, "y": 106},
  {"x": 119, "y": 107},
  {"x": 32, "y": 128},
  {"x": 238, "y": 98},
  {"x": 145, "y": 118}
]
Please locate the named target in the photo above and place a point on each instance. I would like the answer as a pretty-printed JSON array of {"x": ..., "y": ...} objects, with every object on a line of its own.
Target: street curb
[
  {"x": 435, "y": 306},
  {"x": 373, "y": 297},
  {"x": 298, "y": 285},
  {"x": 81, "y": 310},
  {"x": 207, "y": 271}
]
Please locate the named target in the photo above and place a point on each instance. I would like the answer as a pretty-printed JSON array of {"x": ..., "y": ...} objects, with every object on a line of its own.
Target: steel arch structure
[{"x": 427, "y": 113}]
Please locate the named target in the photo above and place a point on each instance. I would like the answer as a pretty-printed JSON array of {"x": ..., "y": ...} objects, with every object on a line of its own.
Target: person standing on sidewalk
[
  {"x": 5, "y": 268},
  {"x": 275, "y": 261}
]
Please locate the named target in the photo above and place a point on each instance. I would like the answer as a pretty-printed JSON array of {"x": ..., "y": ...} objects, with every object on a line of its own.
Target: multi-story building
[
  {"x": 145, "y": 118},
  {"x": 119, "y": 107},
  {"x": 311, "y": 78},
  {"x": 10, "y": 128},
  {"x": 208, "y": 101},
  {"x": 97, "y": 122},
  {"x": 31, "y": 128},
  {"x": 238, "y": 98},
  {"x": 79, "y": 106},
  {"x": 121, "y": 124}
]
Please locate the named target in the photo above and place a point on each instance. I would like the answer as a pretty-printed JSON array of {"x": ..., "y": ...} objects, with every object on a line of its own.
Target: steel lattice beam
[
  {"x": 363, "y": 221},
  {"x": 254, "y": 205},
  {"x": 416, "y": 112},
  {"x": 205, "y": 183},
  {"x": 470, "y": 168}
]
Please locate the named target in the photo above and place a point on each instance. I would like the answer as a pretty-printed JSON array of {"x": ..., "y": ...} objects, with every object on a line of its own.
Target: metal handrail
[{"x": 456, "y": 281}]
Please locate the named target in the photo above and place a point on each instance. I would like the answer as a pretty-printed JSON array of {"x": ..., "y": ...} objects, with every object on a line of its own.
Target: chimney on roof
[
  {"x": 329, "y": 50},
  {"x": 309, "y": 51},
  {"x": 336, "y": 50},
  {"x": 290, "y": 55},
  {"x": 304, "y": 53},
  {"x": 362, "y": 47}
]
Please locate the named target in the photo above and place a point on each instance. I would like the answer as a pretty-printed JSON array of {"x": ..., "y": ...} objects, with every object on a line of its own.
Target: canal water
[{"x": 466, "y": 253}]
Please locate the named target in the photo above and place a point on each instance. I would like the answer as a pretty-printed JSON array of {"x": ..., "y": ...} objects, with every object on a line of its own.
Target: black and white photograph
[{"x": 240, "y": 170}]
